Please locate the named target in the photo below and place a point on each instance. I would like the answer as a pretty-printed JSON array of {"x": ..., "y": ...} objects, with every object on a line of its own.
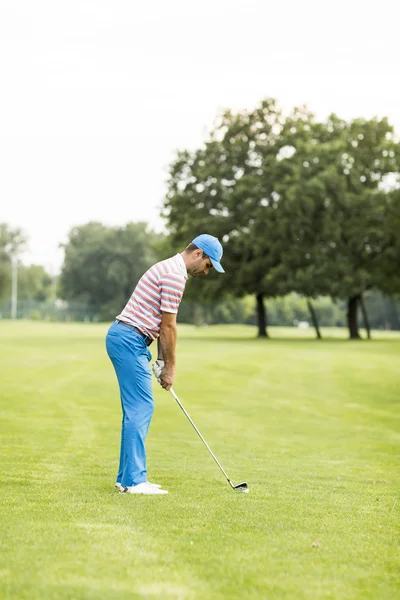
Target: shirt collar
[{"x": 182, "y": 265}]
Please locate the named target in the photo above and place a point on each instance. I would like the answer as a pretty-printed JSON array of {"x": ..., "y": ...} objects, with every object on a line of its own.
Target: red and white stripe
[{"x": 159, "y": 290}]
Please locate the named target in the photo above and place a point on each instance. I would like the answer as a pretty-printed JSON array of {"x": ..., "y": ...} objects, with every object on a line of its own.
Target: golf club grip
[{"x": 198, "y": 432}]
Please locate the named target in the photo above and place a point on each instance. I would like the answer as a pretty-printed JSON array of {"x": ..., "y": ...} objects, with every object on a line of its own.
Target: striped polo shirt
[{"x": 159, "y": 290}]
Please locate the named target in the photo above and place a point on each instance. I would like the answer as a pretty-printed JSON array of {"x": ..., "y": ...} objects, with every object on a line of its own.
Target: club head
[{"x": 241, "y": 487}]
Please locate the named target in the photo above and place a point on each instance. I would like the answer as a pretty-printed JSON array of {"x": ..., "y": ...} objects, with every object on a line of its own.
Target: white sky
[{"x": 96, "y": 96}]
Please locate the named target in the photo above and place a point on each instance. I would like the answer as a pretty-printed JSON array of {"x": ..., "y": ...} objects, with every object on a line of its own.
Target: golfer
[{"x": 150, "y": 314}]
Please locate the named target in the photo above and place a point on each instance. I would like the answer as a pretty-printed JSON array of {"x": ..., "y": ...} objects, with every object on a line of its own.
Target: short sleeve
[{"x": 172, "y": 287}]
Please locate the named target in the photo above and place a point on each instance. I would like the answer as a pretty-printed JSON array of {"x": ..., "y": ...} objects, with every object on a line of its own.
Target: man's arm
[{"x": 166, "y": 348}]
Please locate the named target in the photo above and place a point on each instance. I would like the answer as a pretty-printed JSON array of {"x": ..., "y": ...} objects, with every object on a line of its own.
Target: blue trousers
[{"x": 130, "y": 357}]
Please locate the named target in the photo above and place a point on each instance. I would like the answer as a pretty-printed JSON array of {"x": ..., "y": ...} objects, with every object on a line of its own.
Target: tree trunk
[
  {"x": 352, "y": 317},
  {"x": 365, "y": 317},
  {"x": 314, "y": 318},
  {"x": 261, "y": 316}
]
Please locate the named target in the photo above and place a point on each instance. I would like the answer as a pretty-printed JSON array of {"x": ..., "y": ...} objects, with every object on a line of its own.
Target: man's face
[{"x": 201, "y": 264}]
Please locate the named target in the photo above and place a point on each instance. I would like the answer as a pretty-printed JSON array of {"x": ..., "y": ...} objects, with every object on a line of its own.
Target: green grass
[{"x": 314, "y": 427}]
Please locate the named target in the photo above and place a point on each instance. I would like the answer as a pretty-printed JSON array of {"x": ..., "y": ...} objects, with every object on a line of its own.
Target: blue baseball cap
[{"x": 212, "y": 247}]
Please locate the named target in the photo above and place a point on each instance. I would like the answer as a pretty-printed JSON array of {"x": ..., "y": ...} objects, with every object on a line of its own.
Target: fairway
[{"x": 312, "y": 426}]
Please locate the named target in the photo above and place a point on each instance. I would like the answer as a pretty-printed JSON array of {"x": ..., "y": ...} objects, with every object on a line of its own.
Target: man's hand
[
  {"x": 167, "y": 377},
  {"x": 158, "y": 368},
  {"x": 164, "y": 375}
]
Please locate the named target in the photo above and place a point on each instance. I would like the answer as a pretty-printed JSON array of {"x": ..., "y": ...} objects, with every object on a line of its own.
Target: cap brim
[{"x": 217, "y": 266}]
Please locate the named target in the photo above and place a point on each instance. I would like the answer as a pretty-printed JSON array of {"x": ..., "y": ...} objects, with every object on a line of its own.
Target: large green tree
[
  {"x": 333, "y": 233},
  {"x": 226, "y": 188},
  {"x": 388, "y": 265},
  {"x": 240, "y": 185}
]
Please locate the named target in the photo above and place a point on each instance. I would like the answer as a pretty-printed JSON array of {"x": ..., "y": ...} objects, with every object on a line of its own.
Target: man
[{"x": 151, "y": 314}]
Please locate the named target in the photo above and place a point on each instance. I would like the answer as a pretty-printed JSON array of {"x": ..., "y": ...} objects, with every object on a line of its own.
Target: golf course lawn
[{"x": 312, "y": 426}]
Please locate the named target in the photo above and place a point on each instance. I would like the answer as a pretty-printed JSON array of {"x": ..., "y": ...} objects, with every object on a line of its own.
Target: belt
[{"x": 146, "y": 338}]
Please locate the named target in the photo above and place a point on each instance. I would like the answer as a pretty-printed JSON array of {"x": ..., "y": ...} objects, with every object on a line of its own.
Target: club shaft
[{"x": 200, "y": 436}]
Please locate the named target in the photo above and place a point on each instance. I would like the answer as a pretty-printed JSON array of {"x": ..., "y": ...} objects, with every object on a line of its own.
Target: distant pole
[{"x": 14, "y": 286}]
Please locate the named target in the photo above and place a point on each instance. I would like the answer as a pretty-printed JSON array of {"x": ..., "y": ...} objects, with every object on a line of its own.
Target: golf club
[{"x": 240, "y": 487}]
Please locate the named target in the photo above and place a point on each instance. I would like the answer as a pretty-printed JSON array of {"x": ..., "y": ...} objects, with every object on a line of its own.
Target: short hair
[{"x": 192, "y": 247}]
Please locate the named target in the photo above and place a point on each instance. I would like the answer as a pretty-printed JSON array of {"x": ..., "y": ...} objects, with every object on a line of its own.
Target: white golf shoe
[
  {"x": 118, "y": 485},
  {"x": 146, "y": 488}
]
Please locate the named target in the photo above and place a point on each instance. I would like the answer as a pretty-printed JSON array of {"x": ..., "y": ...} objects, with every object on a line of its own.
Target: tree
[
  {"x": 331, "y": 186},
  {"x": 363, "y": 241},
  {"x": 388, "y": 264},
  {"x": 103, "y": 264},
  {"x": 12, "y": 242},
  {"x": 245, "y": 185},
  {"x": 226, "y": 188},
  {"x": 34, "y": 283}
]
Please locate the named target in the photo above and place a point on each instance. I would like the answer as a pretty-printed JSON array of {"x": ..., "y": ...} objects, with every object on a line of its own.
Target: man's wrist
[{"x": 169, "y": 364}]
